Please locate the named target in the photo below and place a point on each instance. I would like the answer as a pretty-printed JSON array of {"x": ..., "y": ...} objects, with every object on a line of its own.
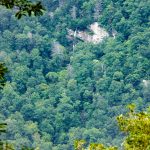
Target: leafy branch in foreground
[
  {"x": 137, "y": 125},
  {"x": 80, "y": 145},
  {"x": 3, "y": 70},
  {"x": 3, "y": 127},
  {"x": 23, "y": 7}
]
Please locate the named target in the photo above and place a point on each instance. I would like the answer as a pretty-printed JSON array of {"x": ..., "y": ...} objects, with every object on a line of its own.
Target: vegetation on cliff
[{"x": 61, "y": 89}]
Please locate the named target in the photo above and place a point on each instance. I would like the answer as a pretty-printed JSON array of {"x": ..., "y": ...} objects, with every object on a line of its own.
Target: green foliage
[
  {"x": 79, "y": 145},
  {"x": 7, "y": 146},
  {"x": 137, "y": 125},
  {"x": 3, "y": 70},
  {"x": 100, "y": 147},
  {"x": 3, "y": 127},
  {"x": 59, "y": 88},
  {"x": 23, "y": 7}
]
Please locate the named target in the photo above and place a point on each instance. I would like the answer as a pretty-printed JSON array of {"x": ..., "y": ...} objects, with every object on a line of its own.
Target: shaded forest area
[{"x": 61, "y": 89}]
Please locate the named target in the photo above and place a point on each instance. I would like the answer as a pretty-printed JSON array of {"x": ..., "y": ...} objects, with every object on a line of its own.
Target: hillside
[{"x": 73, "y": 70}]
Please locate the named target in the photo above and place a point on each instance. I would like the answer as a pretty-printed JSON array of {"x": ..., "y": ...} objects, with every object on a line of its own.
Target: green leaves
[
  {"x": 80, "y": 101},
  {"x": 23, "y": 7},
  {"x": 29, "y": 9},
  {"x": 3, "y": 70},
  {"x": 80, "y": 145},
  {"x": 3, "y": 127},
  {"x": 137, "y": 125}
]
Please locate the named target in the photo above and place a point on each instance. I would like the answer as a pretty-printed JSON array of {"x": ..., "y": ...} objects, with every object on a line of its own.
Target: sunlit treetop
[
  {"x": 137, "y": 126},
  {"x": 23, "y": 7}
]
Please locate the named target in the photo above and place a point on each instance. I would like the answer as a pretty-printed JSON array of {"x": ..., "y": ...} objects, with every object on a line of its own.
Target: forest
[{"x": 61, "y": 87}]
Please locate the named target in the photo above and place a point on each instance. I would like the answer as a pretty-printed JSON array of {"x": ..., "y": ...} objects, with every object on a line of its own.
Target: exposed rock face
[
  {"x": 146, "y": 83},
  {"x": 98, "y": 34}
]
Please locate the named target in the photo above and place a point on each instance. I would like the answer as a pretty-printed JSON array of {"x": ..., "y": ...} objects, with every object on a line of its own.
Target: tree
[
  {"x": 137, "y": 126},
  {"x": 80, "y": 145},
  {"x": 23, "y": 7},
  {"x": 77, "y": 102},
  {"x": 3, "y": 70},
  {"x": 3, "y": 144},
  {"x": 3, "y": 127}
]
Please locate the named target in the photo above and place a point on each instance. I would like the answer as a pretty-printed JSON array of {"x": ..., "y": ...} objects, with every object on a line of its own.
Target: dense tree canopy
[
  {"x": 61, "y": 88},
  {"x": 137, "y": 125},
  {"x": 22, "y": 7}
]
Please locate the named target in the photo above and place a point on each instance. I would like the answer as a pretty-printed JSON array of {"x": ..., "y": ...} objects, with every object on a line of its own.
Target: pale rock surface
[
  {"x": 146, "y": 82},
  {"x": 98, "y": 34}
]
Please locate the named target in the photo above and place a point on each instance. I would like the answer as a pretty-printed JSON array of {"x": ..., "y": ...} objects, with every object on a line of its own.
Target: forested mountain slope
[{"x": 61, "y": 89}]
